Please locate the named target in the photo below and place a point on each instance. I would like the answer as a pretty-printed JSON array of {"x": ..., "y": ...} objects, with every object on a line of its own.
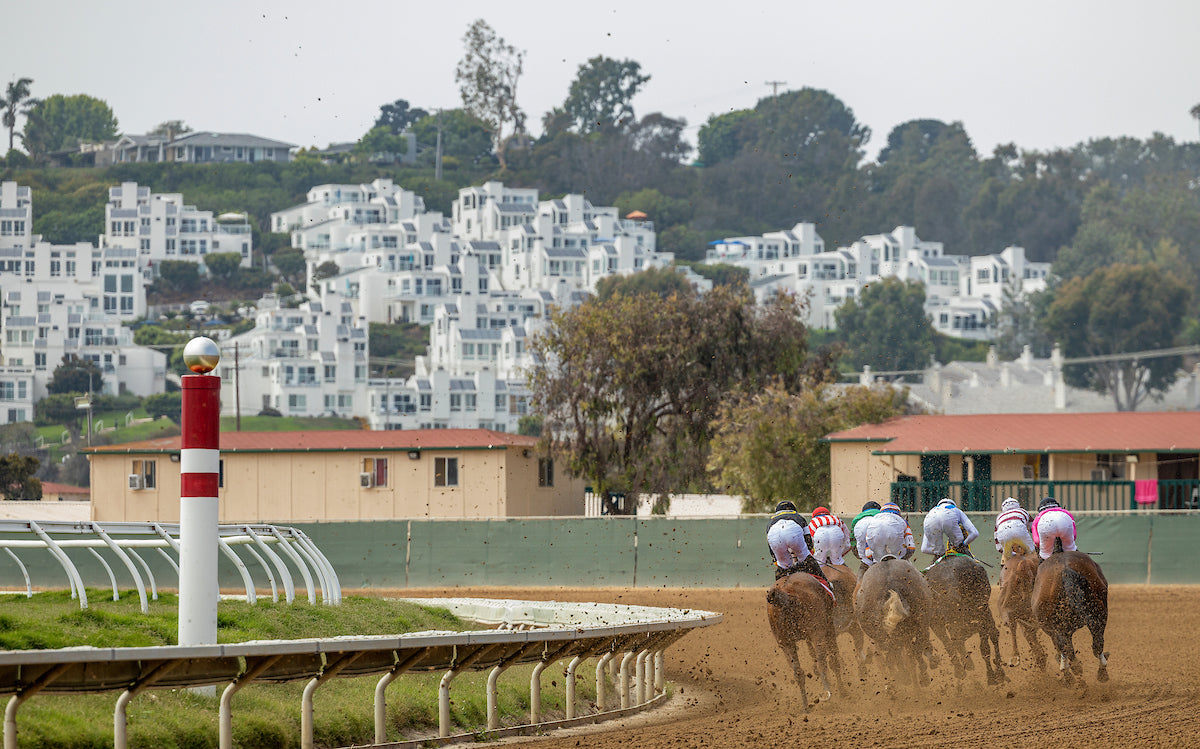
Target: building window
[
  {"x": 545, "y": 471},
  {"x": 145, "y": 470},
  {"x": 375, "y": 472},
  {"x": 445, "y": 472}
]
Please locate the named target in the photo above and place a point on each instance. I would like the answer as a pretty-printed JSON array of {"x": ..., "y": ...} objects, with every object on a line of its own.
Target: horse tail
[
  {"x": 1079, "y": 595},
  {"x": 777, "y": 597},
  {"x": 894, "y": 611},
  {"x": 1058, "y": 547}
]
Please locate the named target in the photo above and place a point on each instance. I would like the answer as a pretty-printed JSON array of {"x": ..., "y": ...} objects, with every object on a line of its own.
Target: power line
[{"x": 775, "y": 86}]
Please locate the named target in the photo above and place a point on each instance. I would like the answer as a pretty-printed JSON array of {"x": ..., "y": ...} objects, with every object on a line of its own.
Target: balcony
[{"x": 986, "y": 496}]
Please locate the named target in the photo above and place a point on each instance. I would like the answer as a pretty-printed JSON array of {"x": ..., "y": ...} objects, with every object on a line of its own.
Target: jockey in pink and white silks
[
  {"x": 888, "y": 534},
  {"x": 1013, "y": 529},
  {"x": 831, "y": 537},
  {"x": 945, "y": 519},
  {"x": 1053, "y": 522}
]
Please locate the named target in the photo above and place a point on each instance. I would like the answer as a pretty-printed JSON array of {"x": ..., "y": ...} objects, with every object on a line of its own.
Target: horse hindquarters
[{"x": 1091, "y": 608}]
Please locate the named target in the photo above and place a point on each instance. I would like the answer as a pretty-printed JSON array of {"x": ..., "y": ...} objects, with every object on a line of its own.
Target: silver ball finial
[{"x": 201, "y": 355}]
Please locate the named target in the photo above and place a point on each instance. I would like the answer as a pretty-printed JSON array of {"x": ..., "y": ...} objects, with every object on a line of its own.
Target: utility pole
[
  {"x": 237, "y": 388},
  {"x": 775, "y": 86}
]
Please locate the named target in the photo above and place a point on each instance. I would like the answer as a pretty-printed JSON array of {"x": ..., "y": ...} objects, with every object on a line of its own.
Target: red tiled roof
[
  {"x": 1167, "y": 431},
  {"x": 345, "y": 439},
  {"x": 50, "y": 487}
]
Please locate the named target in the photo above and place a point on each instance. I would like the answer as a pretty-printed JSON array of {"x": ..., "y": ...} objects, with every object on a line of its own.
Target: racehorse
[
  {"x": 844, "y": 582},
  {"x": 799, "y": 608},
  {"x": 892, "y": 604},
  {"x": 1015, "y": 604},
  {"x": 962, "y": 608},
  {"x": 1070, "y": 592}
]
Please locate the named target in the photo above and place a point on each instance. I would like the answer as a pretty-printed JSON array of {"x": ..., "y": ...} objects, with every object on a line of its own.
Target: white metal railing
[
  {"x": 527, "y": 632},
  {"x": 125, "y": 540}
]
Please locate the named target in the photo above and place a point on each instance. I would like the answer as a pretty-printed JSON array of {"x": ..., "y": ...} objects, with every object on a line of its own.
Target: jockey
[
  {"x": 888, "y": 534},
  {"x": 858, "y": 528},
  {"x": 790, "y": 543},
  {"x": 1053, "y": 522},
  {"x": 1012, "y": 528},
  {"x": 946, "y": 519},
  {"x": 831, "y": 537}
]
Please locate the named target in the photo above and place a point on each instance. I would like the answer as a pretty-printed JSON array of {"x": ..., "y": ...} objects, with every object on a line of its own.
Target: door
[{"x": 935, "y": 475}]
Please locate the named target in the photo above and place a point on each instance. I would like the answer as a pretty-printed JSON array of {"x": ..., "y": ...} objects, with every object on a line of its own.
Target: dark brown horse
[
  {"x": 1016, "y": 605},
  {"x": 1070, "y": 592},
  {"x": 798, "y": 609},
  {"x": 844, "y": 582},
  {"x": 892, "y": 605},
  {"x": 962, "y": 608}
]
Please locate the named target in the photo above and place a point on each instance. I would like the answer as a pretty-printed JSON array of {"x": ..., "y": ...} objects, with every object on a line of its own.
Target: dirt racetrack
[{"x": 733, "y": 687}]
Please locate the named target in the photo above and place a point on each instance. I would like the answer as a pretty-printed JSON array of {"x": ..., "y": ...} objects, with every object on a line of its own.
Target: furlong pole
[{"x": 199, "y": 463}]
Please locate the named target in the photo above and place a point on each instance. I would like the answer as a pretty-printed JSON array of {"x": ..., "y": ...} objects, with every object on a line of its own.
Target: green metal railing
[{"x": 986, "y": 496}]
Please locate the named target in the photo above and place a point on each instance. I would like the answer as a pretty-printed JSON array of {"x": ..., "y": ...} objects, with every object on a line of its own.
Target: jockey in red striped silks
[
  {"x": 1013, "y": 529},
  {"x": 831, "y": 537},
  {"x": 1053, "y": 522}
]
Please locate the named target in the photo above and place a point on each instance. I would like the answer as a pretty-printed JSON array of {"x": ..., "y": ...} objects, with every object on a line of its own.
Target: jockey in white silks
[
  {"x": 945, "y": 519},
  {"x": 888, "y": 534}
]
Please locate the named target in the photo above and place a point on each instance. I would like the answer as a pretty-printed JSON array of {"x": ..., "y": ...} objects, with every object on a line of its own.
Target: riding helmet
[
  {"x": 891, "y": 507},
  {"x": 872, "y": 505},
  {"x": 785, "y": 505},
  {"x": 820, "y": 511},
  {"x": 1047, "y": 502}
]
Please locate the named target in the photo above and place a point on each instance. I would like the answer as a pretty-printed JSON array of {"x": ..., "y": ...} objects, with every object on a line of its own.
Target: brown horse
[
  {"x": 1016, "y": 607},
  {"x": 844, "y": 582},
  {"x": 1070, "y": 592},
  {"x": 892, "y": 605},
  {"x": 962, "y": 608},
  {"x": 798, "y": 609}
]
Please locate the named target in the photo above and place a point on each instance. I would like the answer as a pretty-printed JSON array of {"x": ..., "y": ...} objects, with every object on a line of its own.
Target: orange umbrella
[{"x": 636, "y": 215}]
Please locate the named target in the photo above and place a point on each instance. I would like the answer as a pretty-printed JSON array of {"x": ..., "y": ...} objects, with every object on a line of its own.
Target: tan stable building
[
  {"x": 341, "y": 475},
  {"x": 1090, "y": 460}
]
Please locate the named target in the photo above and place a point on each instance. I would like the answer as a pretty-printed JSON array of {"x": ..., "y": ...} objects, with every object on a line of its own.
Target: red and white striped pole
[{"x": 199, "y": 464}]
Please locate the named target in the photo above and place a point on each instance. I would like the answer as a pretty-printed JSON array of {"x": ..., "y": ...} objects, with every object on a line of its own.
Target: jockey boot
[
  {"x": 781, "y": 572},
  {"x": 812, "y": 567}
]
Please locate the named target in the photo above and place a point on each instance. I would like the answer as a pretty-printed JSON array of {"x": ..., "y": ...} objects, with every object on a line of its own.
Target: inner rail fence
[{"x": 627, "y": 641}]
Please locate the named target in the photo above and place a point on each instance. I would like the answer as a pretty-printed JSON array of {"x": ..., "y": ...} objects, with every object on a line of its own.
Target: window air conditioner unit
[
  {"x": 366, "y": 480},
  {"x": 135, "y": 481},
  {"x": 1099, "y": 474}
]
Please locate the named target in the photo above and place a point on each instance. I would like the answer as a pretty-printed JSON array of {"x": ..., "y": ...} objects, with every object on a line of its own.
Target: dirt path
[{"x": 738, "y": 690}]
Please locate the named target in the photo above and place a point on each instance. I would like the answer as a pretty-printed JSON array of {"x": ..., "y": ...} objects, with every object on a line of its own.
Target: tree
[
  {"x": 291, "y": 265},
  {"x": 16, "y": 101},
  {"x": 17, "y": 479},
  {"x": 601, "y": 96},
  {"x": 465, "y": 137},
  {"x": 165, "y": 404},
  {"x": 58, "y": 409},
  {"x": 76, "y": 375},
  {"x": 178, "y": 276},
  {"x": 487, "y": 77},
  {"x": 171, "y": 128},
  {"x": 628, "y": 386},
  {"x": 398, "y": 117},
  {"x": 59, "y": 123},
  {"x": 327, "y": 269},
  {"x": 886, "y": 327},
  {"x": 223, "y": 265},
  {"x": 767, "y": 444},
  {"x": 661, "y": 281},
  {"x": 1120, "y": 309}
]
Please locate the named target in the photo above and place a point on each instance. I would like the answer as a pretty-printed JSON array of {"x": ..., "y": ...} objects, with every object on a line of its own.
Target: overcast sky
[{"x": 1040, "y": 73}]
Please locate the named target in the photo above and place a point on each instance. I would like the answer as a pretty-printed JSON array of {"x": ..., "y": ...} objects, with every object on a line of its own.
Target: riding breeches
[
  {"x": 830, "y": 543},
  {"x": 887, "y": 534},
  {"x": 941, "y": 521},
  {"x": 1055, "y": 525},
  {"x": 1013, "y": 530},
  {"x": 786, "y": 539}
]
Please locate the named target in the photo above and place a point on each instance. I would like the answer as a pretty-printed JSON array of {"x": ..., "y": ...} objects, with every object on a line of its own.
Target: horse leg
[
  {"x": 1012, "y": 629},
  {"x": 939, "y": 628},
  {"x": 1096, "y": 626},
  {"x": 793, "y": 656},
  {"x": 1035, "y": 644},
  {"x": 989, "y": 637},
  {"x": 1066, "y": 656},
  {"x": 860, "y": 649}
]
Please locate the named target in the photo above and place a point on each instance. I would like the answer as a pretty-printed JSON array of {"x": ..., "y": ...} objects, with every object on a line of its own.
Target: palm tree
[
  {"x": 1195, "y": 112},
  {"x": 15, "y": 98}
]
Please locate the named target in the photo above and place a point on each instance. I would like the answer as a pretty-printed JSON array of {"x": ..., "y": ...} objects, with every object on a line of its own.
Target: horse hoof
[{"x": 1102, "y": 675}]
